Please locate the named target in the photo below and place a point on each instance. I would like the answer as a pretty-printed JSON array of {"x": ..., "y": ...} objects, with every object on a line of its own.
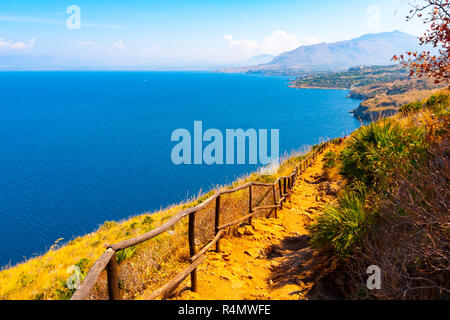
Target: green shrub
[
  {"x": 108, "y": 225},
  {"x": 410, "y": 107},
  {"x": 377, "y": 149},
  {"x": 83, "y": 264},
  {"x": 62, "y": 292},
  {"x": 146, "y": 224},
  {"x": 438, "y": 102},
  {"x": 148, "y": 220},
  {"x": 39, "y": 296},
  {"x": 125, "y": 254},
  {"x": 341, "y": 227},
  {"x": 329, "y": 159}
]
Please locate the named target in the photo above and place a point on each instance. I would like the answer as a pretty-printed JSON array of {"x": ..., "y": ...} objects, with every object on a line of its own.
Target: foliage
[
  {"x": 410, "y": 241},
  {"x": 396, "y": 215},
  {"x": 438, "y": 102},
  {"x": 125, "y": 254},
  {"x": 330, "y": 159},
  {"x": 62, "y": 291},
  {"x": 377, "y": 149},
  {"x": 436, "y": 14},
  {"x": 341, "y": 226},
  {"x": 411, "y": 107},
  {"x": 354, "y": 77}
]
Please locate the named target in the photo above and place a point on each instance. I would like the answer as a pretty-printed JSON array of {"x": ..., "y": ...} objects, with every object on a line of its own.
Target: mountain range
[{"x": 369, "y": 49}]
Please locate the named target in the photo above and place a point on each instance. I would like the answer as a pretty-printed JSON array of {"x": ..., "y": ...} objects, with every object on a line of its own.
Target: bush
[
  {"x": 341, "y": 227},
  {"x": 410, "y": 107},
  {"x": 377, "y": 149},
  {"x": 125, "y": 254},
  {"x": 438, "y": 102},
  {"x": 410, "y": 241},
  {"x": 329, "y": 159}
]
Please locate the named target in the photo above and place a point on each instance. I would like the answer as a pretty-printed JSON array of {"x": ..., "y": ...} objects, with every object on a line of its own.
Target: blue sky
[{"x": 187, "y": 32}]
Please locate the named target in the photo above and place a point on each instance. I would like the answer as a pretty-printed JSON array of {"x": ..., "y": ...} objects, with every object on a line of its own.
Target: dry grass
[
  {"x": 410, "y": 239},
  {"x": 412, "y": 244},
  {"x": 145, "y": 266},
  {"x": 386, "y": 102}
]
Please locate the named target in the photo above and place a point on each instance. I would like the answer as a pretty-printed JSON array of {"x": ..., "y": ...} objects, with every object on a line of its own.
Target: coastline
[
  {"x": 317, "y": 87},
  {"x": 84, "y": 250}
]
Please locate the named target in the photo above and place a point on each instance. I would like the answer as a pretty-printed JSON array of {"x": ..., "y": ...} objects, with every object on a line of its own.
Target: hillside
[
  {"x": 384, "y": 99},
  {"x": 352, "y": 78},
  {"x": 144, "y": 266},
  {"x": 369, "y": 49},
  {"x": 379, "y": 197},
  {"x": 383, "y": 89},
  {"x": 260, "y": 260}
]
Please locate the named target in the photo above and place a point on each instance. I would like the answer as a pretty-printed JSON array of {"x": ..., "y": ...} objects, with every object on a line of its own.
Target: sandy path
[{"x": 271, "y": 258}]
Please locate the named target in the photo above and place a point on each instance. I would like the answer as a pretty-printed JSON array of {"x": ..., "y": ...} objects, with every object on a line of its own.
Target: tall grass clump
[
  {"x": 377, "y": 149},
  {"x": 438, "y": 102},
  {"x": 368, "y": 162},
  {"x": 341, "y": 226},
  {"x": 394, "y": 212}
]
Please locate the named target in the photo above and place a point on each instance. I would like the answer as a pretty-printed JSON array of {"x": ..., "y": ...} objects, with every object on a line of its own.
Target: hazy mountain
[
  {"x": 263, "y": 58},
  {"x": 46, "y": 62},
  {"x": 369, "y": 49}
]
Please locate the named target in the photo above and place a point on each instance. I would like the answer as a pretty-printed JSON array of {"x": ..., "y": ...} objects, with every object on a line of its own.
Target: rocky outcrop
[
  {"x": 357, "y": 95},
  {"x": 365, "y": 114}
]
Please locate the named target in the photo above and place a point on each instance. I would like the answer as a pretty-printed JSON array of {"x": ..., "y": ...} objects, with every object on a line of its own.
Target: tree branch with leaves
[{"x": 436, "y": 15}]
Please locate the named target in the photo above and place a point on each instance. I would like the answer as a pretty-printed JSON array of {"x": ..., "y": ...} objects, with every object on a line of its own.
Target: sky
[{"x": 182, "y": 33}]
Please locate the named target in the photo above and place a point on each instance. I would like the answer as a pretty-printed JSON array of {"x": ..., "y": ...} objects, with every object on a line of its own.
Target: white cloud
[
  {"x": 279, "y": 41},
  {"x": 6, "y": 44},
  {"x": 275, "y": 43},
  {"x": 244, "y": 44},
  {"x": 118, "y": 45}
]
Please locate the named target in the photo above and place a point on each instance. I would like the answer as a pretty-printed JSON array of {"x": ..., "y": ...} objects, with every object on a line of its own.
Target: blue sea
[{"x": 80, "y": 148}]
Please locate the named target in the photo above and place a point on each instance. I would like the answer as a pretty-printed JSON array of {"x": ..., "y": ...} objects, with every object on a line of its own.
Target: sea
[{"x": 81, "y": 148}]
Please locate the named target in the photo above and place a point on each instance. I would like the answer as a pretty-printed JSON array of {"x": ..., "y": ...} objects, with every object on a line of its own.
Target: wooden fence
[{"x": 108, "y": 260}]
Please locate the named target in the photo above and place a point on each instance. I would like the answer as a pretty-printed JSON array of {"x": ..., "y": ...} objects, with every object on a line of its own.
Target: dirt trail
[{"x": 270, "y": 259}]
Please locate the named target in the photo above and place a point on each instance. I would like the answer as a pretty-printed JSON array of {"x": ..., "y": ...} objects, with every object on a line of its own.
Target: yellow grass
[
  {"x": 150, "y": 264},
  {"x": 384, "y": 102}
]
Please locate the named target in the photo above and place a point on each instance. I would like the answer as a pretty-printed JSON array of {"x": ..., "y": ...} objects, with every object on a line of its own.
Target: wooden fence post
[
  {"x": 250, "y": 210},
  {"x": 274, "y": 200},
  {"x": 284, "y": 186},
  {"x": 217, "y": 221},
  {"x": 113, "y": 278},
  {"x": 281, "y": 193},
  {"x": 192, "y": 250},
  {"x": 294, "y": 176}
]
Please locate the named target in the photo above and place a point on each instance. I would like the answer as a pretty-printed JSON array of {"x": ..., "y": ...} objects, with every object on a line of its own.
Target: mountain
[
  {"x": 263, "y": 58},
  {"x": 369, "y": 49}
]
